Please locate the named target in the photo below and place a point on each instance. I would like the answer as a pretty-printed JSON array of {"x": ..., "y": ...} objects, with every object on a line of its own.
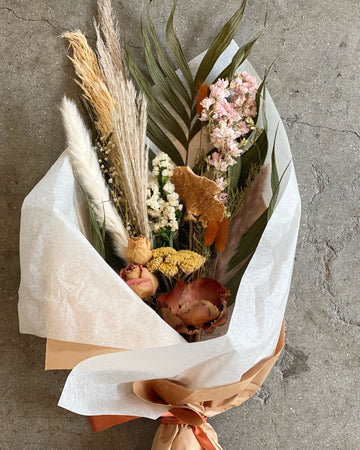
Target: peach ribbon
[
  {"x": 184, "y": 427},
  {"x": 204, "y": 434}
]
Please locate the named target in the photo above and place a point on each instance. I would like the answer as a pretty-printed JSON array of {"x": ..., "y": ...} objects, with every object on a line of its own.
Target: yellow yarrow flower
[
  {"x": 190, "y": 261},
  {"x": 167, "y": 269},
  {"x": 168, "y": 261}
]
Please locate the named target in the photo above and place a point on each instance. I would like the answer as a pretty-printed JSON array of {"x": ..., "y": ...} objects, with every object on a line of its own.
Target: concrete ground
[{"x": 311, "y": 398}]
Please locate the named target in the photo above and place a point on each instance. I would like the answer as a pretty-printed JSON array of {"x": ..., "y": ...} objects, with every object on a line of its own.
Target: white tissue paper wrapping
[{"x": 69, "y": 293}]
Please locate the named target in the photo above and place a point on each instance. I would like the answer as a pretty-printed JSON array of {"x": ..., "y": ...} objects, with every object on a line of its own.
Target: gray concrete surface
[{"x": 311, "y": 399}]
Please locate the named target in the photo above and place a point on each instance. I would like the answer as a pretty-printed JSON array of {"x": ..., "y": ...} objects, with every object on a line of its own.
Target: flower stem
[{"x": 195, "y": 337}]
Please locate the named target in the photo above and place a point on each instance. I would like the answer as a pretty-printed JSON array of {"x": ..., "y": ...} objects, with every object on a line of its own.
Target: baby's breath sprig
[{"x": 104, "y": 147}]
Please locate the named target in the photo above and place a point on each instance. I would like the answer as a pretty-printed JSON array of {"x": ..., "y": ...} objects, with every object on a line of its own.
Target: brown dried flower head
[
  {"x": 138, "y": 250},
  {"x": 198, "y": 195},
  {"x": 202, "y": 304}
]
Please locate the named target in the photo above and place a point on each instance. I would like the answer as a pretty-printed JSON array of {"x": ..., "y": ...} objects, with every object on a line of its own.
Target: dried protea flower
[
  {"x": 202, "y": 304},
  {"x": 169, "y": 261},
  {"x": 138, "y": 250},
  {"x": 140, "y": 280}
]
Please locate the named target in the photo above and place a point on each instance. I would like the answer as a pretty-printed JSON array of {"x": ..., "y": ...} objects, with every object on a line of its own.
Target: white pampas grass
[{"x": 86, "y": 168}]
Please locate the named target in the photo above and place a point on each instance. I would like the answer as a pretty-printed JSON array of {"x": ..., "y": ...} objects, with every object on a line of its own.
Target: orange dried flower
[
  {"x": 203, "y": 93},
  {"x": 222, "y": 235},
  {"x": 211, "y": 232}
]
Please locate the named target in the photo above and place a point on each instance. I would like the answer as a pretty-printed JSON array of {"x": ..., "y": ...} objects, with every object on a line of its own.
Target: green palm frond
[
  {"x": 161, "y": 82},
  {"x": 166, "y": 86},
  {"x": 238, "y": 59},
  {"x": 166, "y": 67},
  {"x": 220, "y": 43},
  {"x": 176, "y": 49},
  {"x": 157, "y": 110}
]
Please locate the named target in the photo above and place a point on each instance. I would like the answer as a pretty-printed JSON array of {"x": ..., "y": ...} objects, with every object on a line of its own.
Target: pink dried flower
[
  {"x": 226, "y": 109},
  {"x": 222, "y": 197}
]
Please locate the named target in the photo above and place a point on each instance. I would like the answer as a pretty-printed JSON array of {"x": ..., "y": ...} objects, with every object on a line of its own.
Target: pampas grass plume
[{"x": 86, "y": 168}]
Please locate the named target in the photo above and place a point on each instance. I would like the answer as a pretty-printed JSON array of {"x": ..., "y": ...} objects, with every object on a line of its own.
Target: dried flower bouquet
[
  {"x": 204, "y": 213},
  {"x": 174, "y": 224}
]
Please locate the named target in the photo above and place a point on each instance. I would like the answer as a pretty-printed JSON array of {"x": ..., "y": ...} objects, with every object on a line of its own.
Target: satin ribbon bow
[{"x": 188, "y": 409}]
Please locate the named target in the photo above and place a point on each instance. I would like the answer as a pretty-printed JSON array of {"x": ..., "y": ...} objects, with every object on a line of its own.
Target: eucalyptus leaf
[
  {"x": 276, "y": 191},
  {"x": 274, "y": 179},
  {"x": 261, "y": 93},
  {"x": 220, "y": 43}
]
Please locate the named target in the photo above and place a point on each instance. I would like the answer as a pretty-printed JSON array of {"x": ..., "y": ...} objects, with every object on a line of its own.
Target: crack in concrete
[
  {"x": 321, "y": 179},
  {"x": 326, "y": 254},
  {"x": 290, "y": 122},
  {"x": 32, "y": 20},
  {"x": 47, "y": 21},
  {"x": 340, "y": 316}
]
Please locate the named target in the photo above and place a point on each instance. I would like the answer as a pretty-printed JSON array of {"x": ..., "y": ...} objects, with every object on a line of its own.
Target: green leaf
[
  {"x": 235, "y": 172},
  {"x": 261, "y": 93},
  {"x": 234, "y": 283},
  {"x": 160, "y": 80},
  {"x": 274, "y": 178},
  {"x": 159, "y": 138},
  {"x": 176, "y": 49},
  {"x": 89, "y": 118},
  {"x": 220, "y": 43},
  {"x": 249, "y": 240},
  {"x": 157, "y": 109},
  {"x": 166, "y": 67},
  {"x": 256, "y": 155},
  {"x": 152, "y": 155},
  {"x": 97, "y": 232},
  {"x": 238, "y": 59},
  {"x": 195, "y": 129},
  {"x": 276, "y": 191}
]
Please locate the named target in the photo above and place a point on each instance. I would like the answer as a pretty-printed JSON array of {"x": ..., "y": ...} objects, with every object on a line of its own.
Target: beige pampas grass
[
  {"x": 91, "y": 80},
  {"x": 110, "y": 31},
  {"x": 86, "y": 168},
  {"x": 130, "y": 155},
  {"x": 120, "y": 113}
]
